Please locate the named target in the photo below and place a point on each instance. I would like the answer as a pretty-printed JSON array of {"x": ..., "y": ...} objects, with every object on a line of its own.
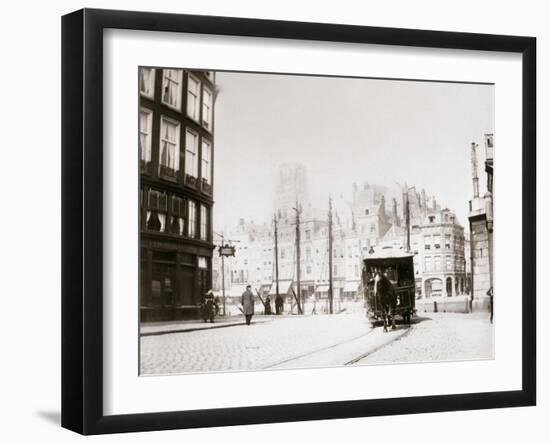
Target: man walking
[{"x": 247, "y": 301}]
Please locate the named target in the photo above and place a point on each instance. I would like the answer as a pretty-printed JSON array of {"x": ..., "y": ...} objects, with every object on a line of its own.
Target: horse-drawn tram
[{"x": 389, "y": 285}]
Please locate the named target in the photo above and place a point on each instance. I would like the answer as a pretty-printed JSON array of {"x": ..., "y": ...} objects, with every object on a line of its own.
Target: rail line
[{"x": 339, "y": 344}]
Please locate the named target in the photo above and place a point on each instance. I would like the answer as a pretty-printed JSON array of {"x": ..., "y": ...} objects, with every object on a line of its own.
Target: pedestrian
[
  {"x": 490, "y": 294},
  {"x": 217, "y": 304},
  {"x": 208, "y": 308},
  {"x": 278, "y": 304},
  {"x": 247, "y": 302},
  {"x": 268, "y": 305}
]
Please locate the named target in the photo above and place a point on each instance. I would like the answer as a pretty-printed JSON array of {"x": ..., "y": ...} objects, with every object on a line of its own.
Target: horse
[{"x": 383, "y": 288}]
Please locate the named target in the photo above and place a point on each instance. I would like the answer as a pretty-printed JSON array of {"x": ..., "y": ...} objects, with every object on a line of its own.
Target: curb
[{"x": 193, "y": 329}]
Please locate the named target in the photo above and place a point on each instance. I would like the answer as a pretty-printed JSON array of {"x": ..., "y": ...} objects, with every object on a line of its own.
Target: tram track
[
  {"x": 343, "y": 353},
  {"x": 378, "y": 348}
]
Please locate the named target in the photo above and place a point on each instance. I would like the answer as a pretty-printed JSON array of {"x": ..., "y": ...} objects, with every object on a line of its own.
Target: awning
[
  {"x": 284, "y": 287},
  {"x": 351, "y": 286},
  {"x": 322, "y": 288}
]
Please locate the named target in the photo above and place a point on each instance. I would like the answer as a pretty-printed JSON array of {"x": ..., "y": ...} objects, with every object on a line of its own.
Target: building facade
[
  {"x": 374, "y": 216},
  {"x": 441, "y": 255},
  {"x": 176, "y": 152},
  {"x": 438, "y": 244},
  {"x": 481, "y": 228}
]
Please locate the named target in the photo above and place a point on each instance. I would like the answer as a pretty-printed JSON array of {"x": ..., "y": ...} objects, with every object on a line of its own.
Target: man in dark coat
[
  {"x": 267, "y": 305},
  {"x": 247, "y": 302},
  {"x": 278, "y": 304},
  {"x": 208, "y": 306}
]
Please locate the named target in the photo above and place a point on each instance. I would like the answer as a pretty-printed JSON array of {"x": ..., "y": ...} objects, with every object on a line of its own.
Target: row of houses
[{"x": 374, "y": 216}]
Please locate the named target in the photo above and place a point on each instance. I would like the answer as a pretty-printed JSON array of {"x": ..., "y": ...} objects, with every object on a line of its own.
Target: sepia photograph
[{"x": 304, "y": 221}]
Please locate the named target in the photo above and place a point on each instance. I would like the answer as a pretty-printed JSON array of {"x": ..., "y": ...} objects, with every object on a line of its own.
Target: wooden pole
[
  {"x": 298, "y": 288},
  {"x": 330, "y": 253},
  {"x": 276, "y": 258}
]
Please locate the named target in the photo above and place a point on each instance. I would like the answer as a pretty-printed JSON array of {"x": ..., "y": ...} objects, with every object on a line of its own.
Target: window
[
  {"x": 147, "y": 82},
  {"x": 171, "y": 87},
  {"x": 437, "y": 241},
  {"x": 192, "y": 219},
  {"x": 191, "y": 157},
  {"x": 157, "y": 205},
  {"x": 308, "y": 270},
  {"x": 282, "y": 253},
  {"x": 202, "y": 262},
  {"x": 207, "y": 108},
  {"x": 428, "y": 263},
  {"x": 308, "y": 234},
  {"x": 204, "y": 223},
  {"x": 193, "y": 97},
  {"x": 178, "y": 213},
  {"x": 437, "y": 263},
  {"x": 206, "y": 156},
  {"x": 431, "y": 218},
  {"x": 447, "y": 241},
  {"x": 427, "y": 242},
  {"x": 448, "y": 263},
  {"x": 366, "y": 212},
  {"x": 169, "y": 146},
  {"x": 372, "y": 227},
  {"x": 145, "y": 130}
]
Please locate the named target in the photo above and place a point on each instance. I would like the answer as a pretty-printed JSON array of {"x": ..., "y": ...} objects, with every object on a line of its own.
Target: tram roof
[{"x": 387, "y": 253}]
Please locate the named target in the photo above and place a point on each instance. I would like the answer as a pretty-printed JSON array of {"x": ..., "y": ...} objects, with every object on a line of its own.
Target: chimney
[
  {"x": 382, "y": 206},
  {"x": 475, "y": 178}
]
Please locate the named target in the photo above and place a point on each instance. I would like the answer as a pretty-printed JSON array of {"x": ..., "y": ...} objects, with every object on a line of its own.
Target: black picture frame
[{"x": 82, "y": 215}]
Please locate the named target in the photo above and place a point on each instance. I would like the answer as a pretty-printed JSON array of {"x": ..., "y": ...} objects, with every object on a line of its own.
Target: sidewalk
[{"x": 172, "y": 327}]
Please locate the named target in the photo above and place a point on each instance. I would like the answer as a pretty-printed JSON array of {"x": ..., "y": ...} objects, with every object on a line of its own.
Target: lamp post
[{"x": 225, "y": 250}]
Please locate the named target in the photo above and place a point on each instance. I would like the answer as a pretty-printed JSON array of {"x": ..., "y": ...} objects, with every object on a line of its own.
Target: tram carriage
[{"x": 398, "y": 266}]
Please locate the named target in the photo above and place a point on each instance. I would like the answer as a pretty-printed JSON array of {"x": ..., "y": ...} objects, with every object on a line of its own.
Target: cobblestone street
[
  {"x": 261, "y": 345},
  {"x": 440, "y": 337},
  {"x": 316, "y": 341}
]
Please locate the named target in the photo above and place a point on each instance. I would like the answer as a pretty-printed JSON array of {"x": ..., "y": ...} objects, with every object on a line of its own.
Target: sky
[{"x": 344, "y": 130}]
